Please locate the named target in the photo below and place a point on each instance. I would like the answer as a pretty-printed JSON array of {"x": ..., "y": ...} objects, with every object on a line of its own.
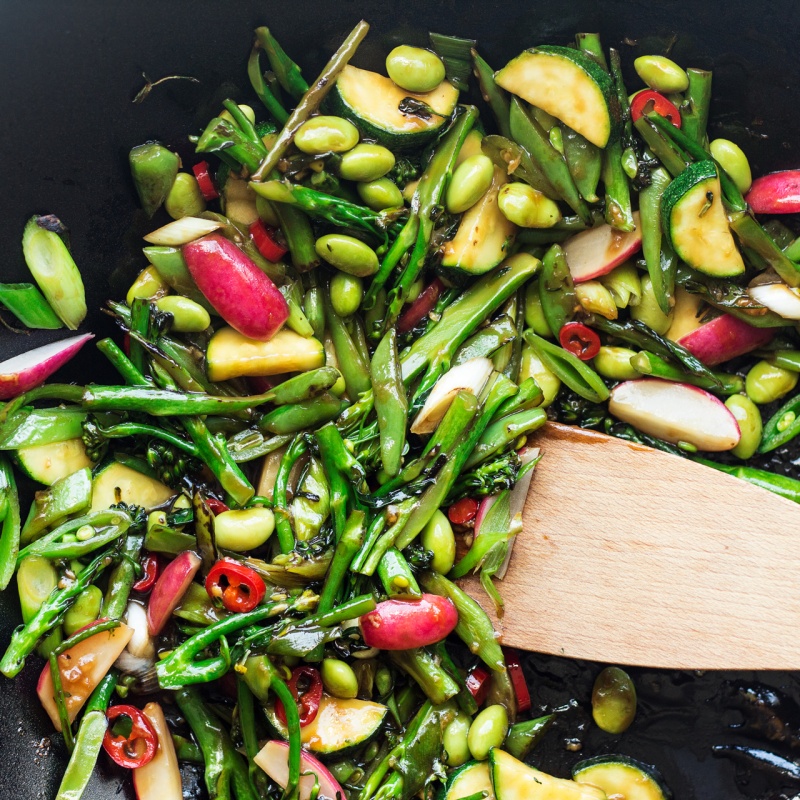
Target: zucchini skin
[{"x": 614, "y": 773}]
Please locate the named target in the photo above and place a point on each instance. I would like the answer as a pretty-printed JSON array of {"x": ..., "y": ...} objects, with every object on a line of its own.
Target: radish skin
[
  {"x": 170, "y": 588},
  {"x": 723, "y": 338},
  {"x": 597, "y": 251},
  {"x": 776, "y": 193},
  {"x": 273, "y": 758},
  {"x": 404, "y": 624}
]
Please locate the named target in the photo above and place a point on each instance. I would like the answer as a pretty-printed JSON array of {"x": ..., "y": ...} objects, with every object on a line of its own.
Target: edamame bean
[
  {"x": 534, "y": 316},
  {"x": 648, "y": 311},
  {"x": 732, "y": 159},
  {"x": 187, "y": 316},
  {"x": 36, "y": 578},
  {"x": 454, "y": 739},
  {"x": 415, "y": 69},
  {"x": 185, "y": 198},
  {"x": 380, "y": 194},
  {"x": 531, "y": 366},
  {"x": 148, "y": 284},
  {"x": 525, "y": 206},
  {"x": 614, "y": 363},
  {"x": 661, "y": 73},
  {"x": 438, "y": 537},
  {"x": 242, "y": 530},
  {"x": 326, "y": 134},
  {"x": 766, "y": 382},
  {"x": 488, "y": 730},
  {"x": 347, "y": 292},
  {"x": 339, "y": 679},
  {"x": 85, "y": 610},
  {"x": 613, "y": 700},
  {"x": 596, "y": 299},
  {"x": 472, "y": 177},
  {"x": 749, "y": 419},
  {"x": 366, "y": 162},
  {"x": 348, "y": 254}
]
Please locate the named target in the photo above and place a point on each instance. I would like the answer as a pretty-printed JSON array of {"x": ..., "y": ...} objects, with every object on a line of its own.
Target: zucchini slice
[
  {"x": 469, "y": 779},
  {"x": 621, "y": 777},
  {"x": 372, "y": 101},
  {"x": 568, "y": 85},
  {"x": 134, "y": 488},
  {"x": 340, "y": 725},
  {"x": 48, "y": 463},
  {"x": 514, "y": 780},
  {"x": 694, "y": 218}
]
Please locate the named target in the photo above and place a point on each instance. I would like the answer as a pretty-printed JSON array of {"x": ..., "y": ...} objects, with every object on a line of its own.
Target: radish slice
[
  {"x": 273, "y": 758},
  {"x": 23, "y": 372},
  {"x": 724, "y": 338},
  {"x": 778, "y": 298},
  {"x": 776, "y": 193},
  {"x": 181, "y": 231},
  {"x": 170, "y": 588},
  {"x": 597, "y": 251},
  {"x": 403, "y": 624},
  {"x": 675, "y": 412},
  {"x": 159, "y": 779},
  {"x": 471, "y": 376}
]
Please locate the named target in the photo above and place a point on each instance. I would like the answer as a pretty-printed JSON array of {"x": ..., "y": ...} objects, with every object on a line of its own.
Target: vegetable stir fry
[{"x": 371, "y": 292}]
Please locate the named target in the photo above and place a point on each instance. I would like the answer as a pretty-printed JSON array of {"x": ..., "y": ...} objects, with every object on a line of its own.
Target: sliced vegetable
[
  {"x": 777, "y": 297},
  {"x": 239, "y": 588},
  {"x": 48, "y": 463},
  {"x": 161, "y": 778},
  {"x": 649, "y": 100},
  {"x": 119, "y": 483},
  {"x": 306, "y": 688},
  {"x": 405, "y": 624},
  {"x": 599, "y": 250},
  {"x": 775, "y": 193},
  {"x": 621, "y": 777},
  {"x": 725, "y": 337},
  {"x": 205, "y": 182},
  {"x": 170, "y": 588},
  {"x": 580, "y": 340},
  {"x": 273, "y": 758},
  {"x": 469, "y": 780},
  {"x": 137, "y": 748}
]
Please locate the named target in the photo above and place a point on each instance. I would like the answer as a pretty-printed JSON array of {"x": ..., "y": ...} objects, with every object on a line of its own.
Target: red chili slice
[
  {"x": 266, "y": 243},
  {"x": 514, "y": 667},
  {"x": 421, "y": 307},
  {"x": 306, "y": 688},
  {"x": 205, "y": 181},
  {"x": 239, "y": 587},
  {"x": 650, "y": 100},
  {"x": 463, "y": 511},
  {"x": 139, "y": 746},
  {"x": 150, "y": 570},
  {"x": 580, "y": 340},
  {"x": 216, "y": 506},
  {"x": 477, "y": 682}
]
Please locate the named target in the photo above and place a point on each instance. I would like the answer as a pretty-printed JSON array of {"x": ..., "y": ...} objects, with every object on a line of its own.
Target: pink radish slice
[
  {"x": 403, "y": 624},
  {"x": 170, "y": 588},
  {"x": 239, "y": 291},
  {"x": 776, "y": 193},
  {"x": 23, "y": 372},
  {"x": 723, "y": 338},
  {"x": 273, "y": 758},
  {"x": 597, "y": 251},
  {"x": 160, "y": 779},
  {"x": 675, "y": 412}
]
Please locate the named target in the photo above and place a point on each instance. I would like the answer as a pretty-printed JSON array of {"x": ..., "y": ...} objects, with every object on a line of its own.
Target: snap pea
[
  {"x": 396, "y": 576},
  {"x": 391, "y": 403},
  {"x": 585, "y": 163},
  {"x": 9, "y": 523},
  {"x": 650, "y": 364},
  {"x": 286, "y": 71},
  {"x": 534, "y": 314},
  {"x": 556, "y": 290},
  {"x": 618, "y": 213},
  {"x": 496, "y": 98},
  {"x": 504, "y": 432},
  {"x": 67, "y": 496},
  {"x": 515, "y": 161},
  {"x": 658, "y": 255}
]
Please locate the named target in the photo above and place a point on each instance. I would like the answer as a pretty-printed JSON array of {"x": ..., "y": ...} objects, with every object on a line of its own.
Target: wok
[{"x": 69, "y": 72}]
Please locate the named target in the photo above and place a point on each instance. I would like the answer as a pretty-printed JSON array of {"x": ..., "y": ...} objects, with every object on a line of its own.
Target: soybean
[
  {"x": 242, "y": 530},
  {"x": 326, "y": 134},
  {"x": 648, "y": 311},
  {"x": 415, "y": 69},
  {"x": 613, "y": 700},
  {"x": 148, "y": 284},
  {"x": 661, "y": 73},
  {"x": 347, "y": 291},
  {"x": 749, "y": 419},
  {"x": 187, "y": 316},
  {"x": 455, "y": 742},
  {"x": 366, "y": 162},
  {"x": 472, "y": 177},
  {"x": 184, "y": 198},
  {"x": 488, "y": 730},
  {"x": 614, "y": 363},
  {"x": 438, "y": 537},
  {"x": 85, "y": 610},
  {"x": 732, "y": 159},
  {"x": 767, "y": 382},
  {"x": 527, "y": 207},
  {"x": 348, "y": 254},
  {"x": 380, "y": 194},
  {"x": 339, "y": 679}
]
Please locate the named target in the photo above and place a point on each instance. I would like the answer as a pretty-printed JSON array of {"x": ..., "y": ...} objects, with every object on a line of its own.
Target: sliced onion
[
  {"x": 778, "y": 298},
  {"x": 140, "y": 645}
]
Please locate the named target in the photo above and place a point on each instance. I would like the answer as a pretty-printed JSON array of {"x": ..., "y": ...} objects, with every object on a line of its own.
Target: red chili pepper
[
  {"x": 649, "y": 100},
  {"x": 420, "y": 308},
  {"x": 139, "y": 746},
  {"x": 205, "y": 181},
  {"x": 477, "y": 682},
  {"x": 150, "y": 569},
  {"x": 580, "y": 340},
  {"x": 514, "y": 667},
  {"x": 216, "y": 506},
  {"x": 264, "y": 239},
  {"x": 306, "y": 688},
  {"x": 239, "y": 587},
  {"x": 463, "y": 511}
]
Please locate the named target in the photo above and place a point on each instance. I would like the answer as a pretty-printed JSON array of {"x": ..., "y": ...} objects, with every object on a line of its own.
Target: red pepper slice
[
  {"x": 216, "y": 506},
  {"x": 580, "y": 340},
  {"x": 264, "y": 239},
  {"x": 514, "y": 667},
  {"x": 477, "y": 682},
  {"x": 205, "y": 181},
  {"x": 150, "y": 569},
  {"x": 463, "y": 511},
  {"x": 139, "y": 746},
  {"x": 306, "y": 688},
  {"x": 421, "y": 307},
  {"x": 650, "y": 100},
  {"x": 239, "y": 587}
]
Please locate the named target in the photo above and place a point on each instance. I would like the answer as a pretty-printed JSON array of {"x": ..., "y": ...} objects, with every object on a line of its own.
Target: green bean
[
  {"x": 667, "y": 152},
  {"x": 352, "y": 362},
  {"x": 283, "y": 525},
  {"x": 781, "y": 485},
  {"x": 299, "y": 416},
  {"x": 9, "y": 523},
  {"x": 556, "y": 290},
  {"x": 589, "y": 43},
  {"x": 658, "y": 255},
  {"x": 391, "y": 403},
  {"x": 123, "y": 575},
  {"x": 496, "y": 98},
  {"x": 396, "y": 576},
  {"x": 504, "y": 432},
  {"x": 286, "y": 71},
  {"x": 429, "y": 675},
  {"x": 28, "y": 305}
]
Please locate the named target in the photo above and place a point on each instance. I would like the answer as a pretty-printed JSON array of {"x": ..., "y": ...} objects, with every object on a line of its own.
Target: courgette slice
[
  {"x": 372, "y": 101},
  {"x": 694, "y": 218},
  {"x": 621, "y": 777},
  {"x": 514, "y": 780},
  {"x": 568, "y": 85},
  {"x": 339, "y": 727},
  {"x": 48, "y": 463},
  {"x": 467, "y": 780},
  {"x": 117, "y": 483}
]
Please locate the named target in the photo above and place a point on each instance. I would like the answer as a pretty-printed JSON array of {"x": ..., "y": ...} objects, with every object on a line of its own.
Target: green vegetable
[
  {"x": 28, "y": 305},
  {"x": 154, "y": 169}
]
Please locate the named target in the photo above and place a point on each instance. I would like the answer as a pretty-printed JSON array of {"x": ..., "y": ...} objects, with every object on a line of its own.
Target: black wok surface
[{"x": 68, "y": 72}]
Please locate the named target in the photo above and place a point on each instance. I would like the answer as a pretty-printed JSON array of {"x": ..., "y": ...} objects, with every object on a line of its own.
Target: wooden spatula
[{"x": 629, "y": 555}]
